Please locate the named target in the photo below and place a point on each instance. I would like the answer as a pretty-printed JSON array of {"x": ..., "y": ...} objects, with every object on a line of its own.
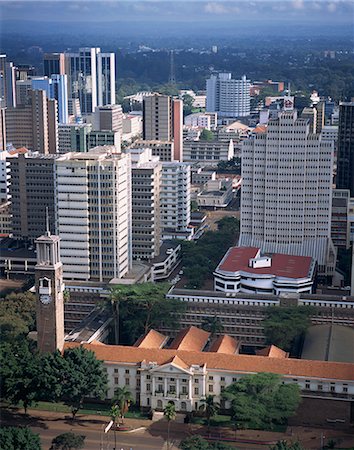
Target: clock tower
[{"x": 49, "y": 292}]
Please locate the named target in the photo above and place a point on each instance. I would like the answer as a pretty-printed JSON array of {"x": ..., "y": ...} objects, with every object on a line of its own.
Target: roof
[
  {"x": 191, "y": 338},
  {"x": 152, "y": 339},
  {"x": 234, "y": 363},
  {"x": 272, "y": 352},
  {"x": 224, "y": 344},
  {"x": 288, "y": 266},
  {"x": 260, "y": 129}
]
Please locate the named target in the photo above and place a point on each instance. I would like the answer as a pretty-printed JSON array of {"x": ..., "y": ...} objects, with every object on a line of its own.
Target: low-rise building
[
  {"x": 163, "y": 149},
  {"x": 208, "y": 152},
  {"x": 166, "y": 262},
  {"x": 244, "y": 269},
  {"x": 216, "y": 194}
]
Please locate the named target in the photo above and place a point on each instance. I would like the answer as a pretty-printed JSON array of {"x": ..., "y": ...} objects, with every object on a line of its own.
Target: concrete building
[
  {"x": 287, "y": 191},
  {"x": 5, "y": 219},
  {"x": 330, "y": 133},
  {"x": 215, "y": 194},
  {"x": 244, "y": 269},
  {"x": 146, "y": 180},
  {"x": 7, "y": 83},
  {"x": 108, "y": 118},
  {"x": 91, "y": 77},
  {"x": 2, "y": 129},
  {"x": 93, "y": 214},
  {"x": 73, "y": 137},
  {"x": 163, "y": 149},
  {"x": 33, "y": 125},
  {"x": 102, "y": 138},
  {"x": 132, "y": 127},
  {"x": 202, "y": 120},
  {"x": 208, "y": 152},
  {"x": 168, "y": 259},
  {"x": 345, "y": 156},
  {"x": 53, "y": 64},
  {"x": 32, "y": 187},
  {"x": 175, "y": 197},
  {"x": 311, "y": 115},
  {"x": 163, "y": 121},
  {"x": 228, "y": 97},
  {"x": 340, "y": 227}
]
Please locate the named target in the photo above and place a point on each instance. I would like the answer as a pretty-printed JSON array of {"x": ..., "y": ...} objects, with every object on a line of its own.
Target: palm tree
[
  {"x": 170, "y": 413},
  {"x": 115, "y": 412},
  {"x": 210, "y": 408},
  {"x": 122, "y": 399}
]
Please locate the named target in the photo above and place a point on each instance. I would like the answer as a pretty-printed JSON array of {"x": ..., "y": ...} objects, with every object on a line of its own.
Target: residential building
[
  {"x": 108, "y": 118},
  {"x": 208, "y": 152},
  {"x": 163, "y": 121},
  {"x": 93, "y": 214},
  {"x": 228, "y": 97},
  {"x": 54, "y": 64},
  {"x": 175, "y": 196},
  {"x": 287, "y": 191},
  {"x": 345, "y": 156},
  {"x": 340, "y": 227},
  {"x": 245, "y": 269},
  {"x": 32, "y": 187},
  {"x": 146, "y": 180}
]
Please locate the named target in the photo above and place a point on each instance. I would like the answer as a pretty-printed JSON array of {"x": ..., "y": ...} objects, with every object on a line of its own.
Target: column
[
  {"x": 165, "y": 387},
  {"x": 190, "y": 387},
  {"x": 153, "y": 386},
  {"x": 177, "y": 387},
  {"x": 203, "y": 385}
]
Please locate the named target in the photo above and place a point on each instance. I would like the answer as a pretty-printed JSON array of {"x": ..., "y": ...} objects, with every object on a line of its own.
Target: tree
[
  {"x": 229, "y": 224},
  {"x": 19, "y": 373},
  {"x": 114, "y": 413},
  {"x": 283, "y": 325},
  {"x": 210, "y": 408},
  {"x": 122, "y": 399},
  {"x": 213, "y": 325},
  {"x": 170, "y": 413},
  {"x": 261, "y": 400},
  {"x": 85, "y": 377},
  {"x": 206, "y": 135},
  {"x": 68, "y": 441},
  {"x": 15, "y": 438},
  {"x": 188, "y": 101},
  {"x": 17, "y": 315},
  {"x": 52, "y": 376},
  {"x": 142, "y": 307},
  {"x": 195, "y": 442},
  {"x": 284, "y": 445}
]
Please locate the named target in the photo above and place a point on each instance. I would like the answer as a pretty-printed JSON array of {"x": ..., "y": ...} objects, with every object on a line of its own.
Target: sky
[{"x": 237, "y": 13}]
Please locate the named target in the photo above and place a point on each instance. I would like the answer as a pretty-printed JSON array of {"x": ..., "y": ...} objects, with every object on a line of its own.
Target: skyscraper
[
  {"x": 287, "y": 191},
  {"x": 345, "y": 155},
  {"x": 91, "y": 78},
  {"x": 228, "y": 97},
  {"x": 93, "y": 192},
  {"x": 54, "y": 64},
  {"x": 163, "y": 121},
  {"x": 7, "y": 83}
]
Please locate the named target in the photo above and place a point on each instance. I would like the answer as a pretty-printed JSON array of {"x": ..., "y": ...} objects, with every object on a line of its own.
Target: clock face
[{"x": 45, "y": 299}]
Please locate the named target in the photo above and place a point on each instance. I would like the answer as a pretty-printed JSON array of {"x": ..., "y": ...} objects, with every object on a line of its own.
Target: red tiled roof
[
  {"x": 272, "y": 352},
  {"x": 288, "y": 266},
  {"x": 224, "y": 344},
  {"x": 234, "y": 363},
  {"x": 152, "y": 339},
  {"x": 191, "y": 339}
]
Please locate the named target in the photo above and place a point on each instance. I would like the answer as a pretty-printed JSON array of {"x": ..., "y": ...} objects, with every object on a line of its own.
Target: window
[
  {"x": 211, "y": 377},
  {"x": 211, "y": 388},
  {"x": 234, "y": 380},
  {"x": 320, "y": 387},
  {"x": 184, "y": 389},
  {"x": 196, "y": 391},
  {"x": 183, "y": 406},
  {"x": 172, "y": 379},
  {"x": 307, "y": 386},
  {"x": 127, "y": 381},
  {"x": 116, "y": 370},
  {"x": 159, "y": 404},
  {"x": 196, "y": 380},
  {"x": 148, "y": 377},
  {"x": 222, "y": 378},
  {"x": 345, "y": 388},
  {"x": 116, "y": 380},
  {"x": 127, "y": 371},
  {"x": 148, "y": 387},
  {"x": 333, "y": 389}
]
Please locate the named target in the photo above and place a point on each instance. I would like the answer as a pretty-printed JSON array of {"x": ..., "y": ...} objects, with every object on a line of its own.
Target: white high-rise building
[
  {"x": 228, "y": 97},
  {"x": 287, "y": 191},
  {"x": 175, "y": 196},
  {"x": 93, "y": 214}
]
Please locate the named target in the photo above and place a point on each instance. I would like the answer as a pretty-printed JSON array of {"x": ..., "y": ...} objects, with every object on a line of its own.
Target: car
[{"x": 180, "y": 272}]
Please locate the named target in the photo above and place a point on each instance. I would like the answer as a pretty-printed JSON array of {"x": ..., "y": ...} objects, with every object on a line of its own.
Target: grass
[{"x": 225, "y": 421}]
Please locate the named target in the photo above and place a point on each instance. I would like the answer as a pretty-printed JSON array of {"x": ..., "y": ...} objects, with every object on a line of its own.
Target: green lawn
[{"x": 225, "y": 421}]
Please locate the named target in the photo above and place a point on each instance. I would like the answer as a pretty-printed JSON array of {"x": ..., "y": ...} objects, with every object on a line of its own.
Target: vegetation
[
  {"x": 284, "y": 445},
  {"x": 170, "y": 414},
  {"x": 187, "y": 104},
  {"x": 17, "y": 316},
  {"x": 122, "y": 400},
  {"x": 283, "y": 325},
  {"x": 233, "y": 165},
  {"x": 206, "y": 135},
  {"x": 196, "y": 442},
  {"x": 199, "y": 258},
  {"x": 68, "y": 441},
  {"x": 213, "y": 325},
  {"x": 15, "y": 438},
  {"x": 261, "y": 401},
  {"x": 210, "y": 408},
  {"x": 139, "y": 308}
]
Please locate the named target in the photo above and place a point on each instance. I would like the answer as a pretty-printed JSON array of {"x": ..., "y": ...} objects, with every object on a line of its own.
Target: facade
[
  {"x": 175, "y": 196},
  {"x": 244, "y": 269},
  {"x": 163, "y": 149},
  {"x": 54, "y": 64},
  {"x": 228, "y": 97},
  {"x": 345, "y": 156},
  {"x": 340, "y": 226},
  {"x": 102, "y": 138},
  {"x": 208, "y": 152},
  {"x": 5, "y": 219},
  {"x": 167, "y": 260},
  {"x": 287, "y": 190},
  {"x": 73, "y": 137},
  {"x": 91, "y": 78},
  {"x": 32, "y": 186},
  {"x": 163, "y": 121},
  {"x": 7, "y": 83},
  {"x": 146, "y": 179},
  {"x": 108, "y": 118},
  {"x": 2, "y": 130},
  {"x": 93, "y": 214},
  {"x": 215, "y": 194},
  {"x": 132, "y": 127}
]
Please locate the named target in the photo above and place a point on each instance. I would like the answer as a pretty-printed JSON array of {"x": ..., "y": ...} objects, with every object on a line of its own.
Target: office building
[
  {"x": 311, "y": 115},
  {"x": 163, "y": 121},
  {"x": 340, "y": 226},
  {"x": 163, "y": 149},
  {"x": 108, "y": 118},
  {"x": 228, "y": 97},
  {"x": 54, "y": 64},
  {"x": 146, "y": 179},
  {"x": 91, "y": 78},
  {"x": 287, "y": 191},
  {"x": 73, "y": 137},
  {"x": 102, "y": 138},
  {"x": 2, "y": 130},
  {"x": 32, "y": 187},
  {"x": 320, "y": 116},
  {"x": 33, "y": 125},
  {"x": 175, "y": 197},
  {"x": 7, "y": 83},
  {"x": 208, "y": 152},
  {"x": 345, "y": 155},
  {"x": 93, "y": 214}
]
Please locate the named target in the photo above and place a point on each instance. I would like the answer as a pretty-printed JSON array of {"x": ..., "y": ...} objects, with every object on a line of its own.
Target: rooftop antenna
[
  {"x": 172, "y": 77},
  {"x": 47, "y": 233}
]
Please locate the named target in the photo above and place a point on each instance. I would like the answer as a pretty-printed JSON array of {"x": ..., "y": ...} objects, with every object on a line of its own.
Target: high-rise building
[
  {"x": 228, "y": 97},
  {"x": 311, "y": 114},
  {"x": 102, "y": 138},
  {"x": 93, "y": 214},
  {"x": 163, "y": 121},
  {"x": 33, "y": 125},
  {"x": 91, "y": 78},
  {"x": 340, "y": 227},
  {"x": 146, "y": 176},
  {"x": 2, "y": 130},
  {"x": 108, "y": 118},
  {"x": 54, "y": 64},
  {"x": 32, "y": 191},
  {"x": 320, "y": 116},
  {"x": 73, "y": 137},
  {"x": 175, "y": 196},
  {"x": 287, "y": 191},
  {"x": 7, "y": 83},
  {"x": 345, "y": 155}
]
